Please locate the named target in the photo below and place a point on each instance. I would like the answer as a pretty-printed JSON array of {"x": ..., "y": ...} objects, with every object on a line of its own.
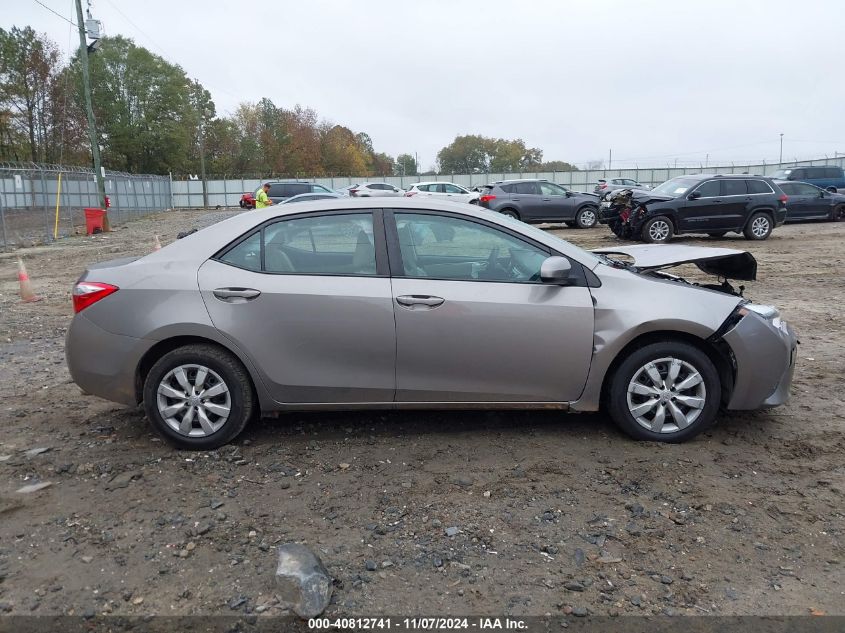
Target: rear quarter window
[
  {"x": 508, "y": 188},
  {"x": 833, "y": 172},
  {"x": 758, "y": 186}
]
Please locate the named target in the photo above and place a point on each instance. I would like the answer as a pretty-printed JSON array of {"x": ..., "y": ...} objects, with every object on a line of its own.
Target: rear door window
[
  {"x": 528, "y": 188},
  {"x": 279, "y": 191},
  {"x": 732, "y": 187}
]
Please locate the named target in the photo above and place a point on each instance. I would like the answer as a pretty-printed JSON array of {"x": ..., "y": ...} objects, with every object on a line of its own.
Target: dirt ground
[{"x": 555, "y": 513}]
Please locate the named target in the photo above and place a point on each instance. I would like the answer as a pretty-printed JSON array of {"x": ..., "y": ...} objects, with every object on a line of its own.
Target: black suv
[
  {"x": 281, "y": 189},
  {"x": 703, "y": 203},
  {"x": 540, "y": 201}
]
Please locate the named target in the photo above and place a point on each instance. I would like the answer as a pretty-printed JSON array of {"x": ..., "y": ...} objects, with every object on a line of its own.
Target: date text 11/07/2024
[{"x": 421, "y": 623}]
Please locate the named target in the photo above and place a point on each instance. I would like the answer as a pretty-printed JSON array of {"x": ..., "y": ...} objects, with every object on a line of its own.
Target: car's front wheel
[
  {"x": 198, "y": 397},
  {"x": 666, "y": 392},
  {"x": 759, "y": 227},
  {"x": 586, "y": 218},
  {"x": 658, "y": 230}
]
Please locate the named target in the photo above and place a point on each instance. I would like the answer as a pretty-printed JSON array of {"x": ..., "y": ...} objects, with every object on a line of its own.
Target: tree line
[{"x": 152, "y": 118}]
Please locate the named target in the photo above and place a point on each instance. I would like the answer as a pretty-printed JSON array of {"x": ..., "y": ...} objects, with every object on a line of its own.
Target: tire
[
  {"x": 717, "y": 234},
  {"x": 660, "y": 421},
  {"x": 759, "y": 226},
  {"x": 838, "y": 213},
  {"x": 511, "y": 213},
  {"x": 586, "y": 217},
  {"x": 658, "y": 230},
  {"x": 217, "y": 429}
]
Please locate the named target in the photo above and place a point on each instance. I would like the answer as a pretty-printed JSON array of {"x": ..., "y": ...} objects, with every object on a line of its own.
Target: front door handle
[
  {"x": 419, "y": 300},
  {"x": 236, "y": 295}
]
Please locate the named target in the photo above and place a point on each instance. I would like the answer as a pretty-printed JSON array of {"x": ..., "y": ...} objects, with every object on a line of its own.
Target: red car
[{"x": 247, "y": 200}]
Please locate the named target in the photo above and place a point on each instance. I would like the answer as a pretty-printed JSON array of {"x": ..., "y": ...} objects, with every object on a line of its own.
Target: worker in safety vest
[{"x": 261, "y": 199}]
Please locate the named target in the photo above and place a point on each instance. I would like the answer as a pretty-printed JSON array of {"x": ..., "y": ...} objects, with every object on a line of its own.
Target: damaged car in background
[
  {"x": 710, "y": 204},
  {"x": 414, "y": 303}
]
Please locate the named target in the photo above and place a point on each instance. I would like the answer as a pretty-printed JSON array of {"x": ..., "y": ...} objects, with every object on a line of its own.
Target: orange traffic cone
[
  {"x": 27, "y": 295},
  {"x": 157, "y": 244}
]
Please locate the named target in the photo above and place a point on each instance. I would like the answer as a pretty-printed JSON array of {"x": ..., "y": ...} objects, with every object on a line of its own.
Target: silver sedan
[{"x": 418, "y": 304}]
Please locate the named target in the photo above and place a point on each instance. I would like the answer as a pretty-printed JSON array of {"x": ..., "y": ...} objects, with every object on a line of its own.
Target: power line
[{"x": 56, "y": 13}]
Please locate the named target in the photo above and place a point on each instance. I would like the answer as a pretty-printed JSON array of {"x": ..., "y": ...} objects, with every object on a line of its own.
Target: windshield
[{"x": 676, "y": 186}]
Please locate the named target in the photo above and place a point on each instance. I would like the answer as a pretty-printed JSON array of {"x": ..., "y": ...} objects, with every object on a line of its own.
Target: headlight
[{"x": 770, "y": 313}]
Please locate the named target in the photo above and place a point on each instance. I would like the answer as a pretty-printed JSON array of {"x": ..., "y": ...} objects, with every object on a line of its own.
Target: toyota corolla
[{"x": 418, "y": 304}]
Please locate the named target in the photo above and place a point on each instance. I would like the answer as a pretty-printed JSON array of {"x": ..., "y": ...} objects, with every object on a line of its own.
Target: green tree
[
  {"x": 557, "y": 165},
  {"x": 143, "y": 108},
  {"x": 406, "y": 165},
  {"x": 29, "y": 67},
  {"x": 465, "y": 155}
]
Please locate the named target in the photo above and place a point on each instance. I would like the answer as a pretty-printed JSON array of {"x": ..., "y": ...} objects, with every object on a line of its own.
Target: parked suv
[
  {"x": 830, "y": 178},
  {"x": 540, "y": 201},
  {"x": 283, "y": 189},
  {"x": 704, "y": 203}
]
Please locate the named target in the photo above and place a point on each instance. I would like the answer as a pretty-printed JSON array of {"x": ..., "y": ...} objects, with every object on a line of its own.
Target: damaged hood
[{"x": 722, "y": 262}]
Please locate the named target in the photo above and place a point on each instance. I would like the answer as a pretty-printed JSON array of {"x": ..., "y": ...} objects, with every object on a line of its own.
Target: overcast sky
[{"x": 654, "y": 80}]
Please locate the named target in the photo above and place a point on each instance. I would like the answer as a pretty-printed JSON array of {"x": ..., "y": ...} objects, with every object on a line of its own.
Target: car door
[
  {"x": 733, "y": 211},
  {"x": 697, "y": 207},
  {"x": 308, "y": 299},
  {"x": 454, "y": 193},
  {"x": 807, "y": 202},
  {"x": 473, "y": 321},
  {"x": 557, "y": 203},
  {"x": 529, "y": 200}
]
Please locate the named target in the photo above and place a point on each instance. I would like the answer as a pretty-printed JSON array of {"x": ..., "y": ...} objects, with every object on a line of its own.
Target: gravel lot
[{"x": 553, "y": 513}]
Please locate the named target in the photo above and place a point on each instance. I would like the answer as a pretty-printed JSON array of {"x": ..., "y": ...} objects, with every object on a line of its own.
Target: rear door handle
[
  {"x": 236, "y": 295},
  {"x": 419, "y": 300}
]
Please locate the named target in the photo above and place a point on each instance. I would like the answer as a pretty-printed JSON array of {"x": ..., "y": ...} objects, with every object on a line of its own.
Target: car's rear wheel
[
  {"x": 198, "y": 397},
  {"x": 717, "y": 234},
  {"x": 511, "y": 213},
  {"x": 759, "y": 226},
  {"x": 586, "y": 218},
  {"x": 667, "y": 392},
  {"x": 658, "y": 230},
  {"x": 838, "y": 213}
]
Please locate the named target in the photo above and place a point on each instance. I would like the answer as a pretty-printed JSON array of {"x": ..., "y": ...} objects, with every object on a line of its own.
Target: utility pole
[
  {"x": 89, "y": 110},
  {"x": 780, "y": 158},
  {"x": 610, "y": 159}
]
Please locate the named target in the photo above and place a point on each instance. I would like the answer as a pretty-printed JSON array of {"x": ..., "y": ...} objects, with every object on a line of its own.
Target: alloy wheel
[
  {"x": 760, "y": 226},
  {"x": 587, "y": 218},
  {"x": 659, "y": 230},
  {"x": 193, "y": 400},
  {"x": 666, "y": 395}
]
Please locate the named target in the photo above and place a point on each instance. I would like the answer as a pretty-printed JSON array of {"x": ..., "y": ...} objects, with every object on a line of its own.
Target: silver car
[{"x": 419, "y": 304}]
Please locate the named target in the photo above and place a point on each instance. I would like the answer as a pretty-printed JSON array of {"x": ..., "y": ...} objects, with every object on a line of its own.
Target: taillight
[
  {"x": 352, "y": 192},
  {"x": 783, "y": 197},
  {"x": 408, "y": 194},
  {"x": 87, "y": 293},
  {"x": 486, "y": 198}
]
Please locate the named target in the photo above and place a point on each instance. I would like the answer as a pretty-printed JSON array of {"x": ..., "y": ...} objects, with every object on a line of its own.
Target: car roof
[
  {"x": 726, "y": 176},
  {"x": 437, "y": 182}
]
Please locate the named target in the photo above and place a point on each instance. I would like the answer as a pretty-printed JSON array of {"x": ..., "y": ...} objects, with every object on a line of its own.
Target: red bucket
[{"x": 94, "y": 220}]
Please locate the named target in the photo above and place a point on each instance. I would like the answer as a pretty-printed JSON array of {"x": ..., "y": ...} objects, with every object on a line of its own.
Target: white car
[
  {"x": 443, "y": 191},
  {"x": 375, "y": 189}
]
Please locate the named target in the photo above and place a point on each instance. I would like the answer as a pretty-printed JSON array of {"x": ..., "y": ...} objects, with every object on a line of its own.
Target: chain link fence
[
  {"x": 40, "y": 202},
  {"x": 227, "y": 190}
]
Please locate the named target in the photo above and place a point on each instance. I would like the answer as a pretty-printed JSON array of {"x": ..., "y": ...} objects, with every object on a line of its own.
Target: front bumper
[
  {"x": 764, "y": 353},
  {"x": 102, "y": 363}
]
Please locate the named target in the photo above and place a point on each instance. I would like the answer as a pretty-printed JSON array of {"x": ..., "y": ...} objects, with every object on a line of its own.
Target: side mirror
[
  {"x": 695, "y": 195},
  {"x": 831, "y": 189},
  {"x": 568, "y": 193},
  {"x": 556, "y": 270}
]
